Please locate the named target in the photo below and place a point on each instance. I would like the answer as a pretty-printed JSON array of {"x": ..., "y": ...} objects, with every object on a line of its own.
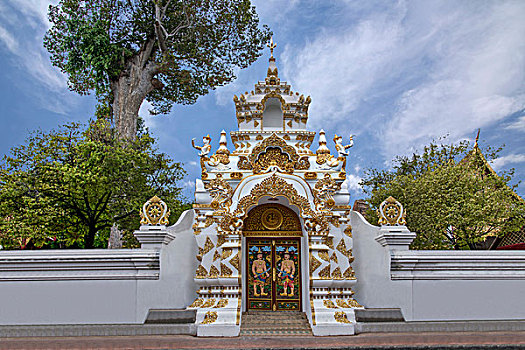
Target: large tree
[
  {"x": 453, "y": 198},
  {"x": 164, "y": 51},
  {"x": 72, "y": 184}
]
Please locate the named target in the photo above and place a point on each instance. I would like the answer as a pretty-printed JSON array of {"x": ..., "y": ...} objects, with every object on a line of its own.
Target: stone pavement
[{"x": 421, "y": 340}]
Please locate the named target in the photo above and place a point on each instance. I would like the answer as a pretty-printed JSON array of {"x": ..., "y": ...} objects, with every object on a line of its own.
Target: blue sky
[{"x": 395, "y": 74}]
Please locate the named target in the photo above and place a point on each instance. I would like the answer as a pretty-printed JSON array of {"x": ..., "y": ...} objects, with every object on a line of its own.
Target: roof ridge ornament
[
  {"x": 272, "y": 46},
  {"x": 477, "y": 139}
]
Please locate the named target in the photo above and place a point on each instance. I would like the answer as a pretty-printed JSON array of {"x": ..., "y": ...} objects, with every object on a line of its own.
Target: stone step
[
  {"x": 276, "y": 323},
  {"x": 171, "y": 316},
  {"x": 379, "y": 315}
]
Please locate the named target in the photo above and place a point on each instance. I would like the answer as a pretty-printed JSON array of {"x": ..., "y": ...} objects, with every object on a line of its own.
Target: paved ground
[{"x": 434, "y": 340}]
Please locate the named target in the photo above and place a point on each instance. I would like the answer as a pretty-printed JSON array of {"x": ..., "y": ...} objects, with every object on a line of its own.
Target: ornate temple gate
[{"x": 273, "y": 253}]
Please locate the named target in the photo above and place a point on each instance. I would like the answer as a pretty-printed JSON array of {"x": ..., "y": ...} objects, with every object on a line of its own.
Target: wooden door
[{"x": 274, "y": 273}]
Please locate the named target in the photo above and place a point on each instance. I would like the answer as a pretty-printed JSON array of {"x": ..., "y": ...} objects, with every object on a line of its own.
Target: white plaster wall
[
  {"x": 175, "y": 289},
  {"x": 437, "y": 285},
  {"x": 109, "y": 297}
]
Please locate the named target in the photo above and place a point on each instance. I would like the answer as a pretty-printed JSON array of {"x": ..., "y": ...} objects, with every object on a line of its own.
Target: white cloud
[
  {"x": 518, "y": 124},
  {"x": 352, "y": 182},
  {"x": 500, "y": 162},
  {"x": 149, "y": 120},
  {"x": 8, "y": 40},
  {"x": 436, "y": 68}
]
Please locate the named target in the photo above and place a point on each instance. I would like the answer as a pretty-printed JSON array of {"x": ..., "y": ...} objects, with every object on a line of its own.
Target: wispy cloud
[
  {"x": 415, "y": 71},
  {"x": 500, "y": 162},
  {"x": 518, "y": 124}
]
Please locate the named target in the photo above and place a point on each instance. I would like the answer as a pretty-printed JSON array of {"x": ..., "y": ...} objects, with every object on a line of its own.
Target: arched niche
[{"x": 273, "y": 114}]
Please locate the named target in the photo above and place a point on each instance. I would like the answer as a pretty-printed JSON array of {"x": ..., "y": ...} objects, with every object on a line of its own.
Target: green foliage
[
  {"x": 195, "y": 45},
  {"x": 67, "y": 187},
  {"x": 453, "y": 198}
]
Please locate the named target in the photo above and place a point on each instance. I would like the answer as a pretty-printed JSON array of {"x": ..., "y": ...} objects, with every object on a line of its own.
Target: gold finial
[
  {"x": 272, "y": 46},
  {"x": 154, "y": 212},
  {"x": 477, "y": 139}
]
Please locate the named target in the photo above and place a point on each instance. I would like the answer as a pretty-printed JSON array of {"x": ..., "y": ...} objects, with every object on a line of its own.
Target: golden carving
[
  {"x": 341, "y": 303},
  {"x": 325, "y": 272},
  {"x": 275, "y": 151},
  {"x": 349, "y": 274},
  {"x": 220, "y": 241},
  {"x": 329, "y": 304},
  {"x": 226, "y": 253},
  {"x": 341, "y": 247},
  {"x": 323, "y": 254},
  {"x": 310, "y": 175},
  {"x": 221, "y": 303},
  {"x": 208, "y": 245},
  {"x": 271, "y": 219},
  {"x": 214, "y": 272},
  {"x": 210, "y": 317},
  {"x": 221, "y": 192},
  {"x": 340, "y": 317},
  {"x": 274, "y": 186},
  {"x": 236, "y": 175},
  {"x": 348, "y": 231},
  {"x": 336, "y": 274},
  {"x": 258, "y": 137},
  {"x": 154, "y": 212},
  {"x": 216, "y": 255},
  {"x": 235, "y": 261},
  {"x": 201, "y": 272},
  {"x": 354, "y": 303},
  {"x": 324, "y": 191},
  {"x": 334, "y": 258},
  {"x": 244, "y": 163},
  {"x": 314, "y": 264},
  {"x": 391, "y": 212},
  {"x": 257, "y": 222},
  {"x": 197, "y": 303},
  {"x": 225, "y": 271}
]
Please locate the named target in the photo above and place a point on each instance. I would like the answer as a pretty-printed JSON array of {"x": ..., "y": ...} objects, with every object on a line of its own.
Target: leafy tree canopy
[
  {"x": 165, "y": 51},
  {"x": 454, "y": 200},
  {"x": 70, "y": 185}
]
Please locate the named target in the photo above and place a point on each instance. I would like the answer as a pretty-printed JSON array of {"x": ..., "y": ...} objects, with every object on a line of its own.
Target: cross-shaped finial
[{"x": 272, "y": 46}]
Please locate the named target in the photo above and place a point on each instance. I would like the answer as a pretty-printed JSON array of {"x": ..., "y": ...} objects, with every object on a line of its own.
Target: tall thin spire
[
  {"x": 272, "y": 46},
  {"x": 272, "y": 76},
  {"x": 477, "y": 139}
]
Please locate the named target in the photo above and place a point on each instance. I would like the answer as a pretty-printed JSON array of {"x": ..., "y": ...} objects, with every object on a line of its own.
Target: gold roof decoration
[
  {"x": 391, "y": 213},
  {"x": 154, "y": 212}
]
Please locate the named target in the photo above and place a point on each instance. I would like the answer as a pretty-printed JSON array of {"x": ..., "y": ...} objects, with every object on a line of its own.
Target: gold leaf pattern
[
  {"x": 210, "y": 317},
  {"x": 214, "y": 272},
  {"x": 226, "y": 252},
  {"x": 235, "y": 261},
  {"x": 201, "y": 272},
  {"x": 334, "y": 258},
  {"x": 325, "y": 272},
  {"x": 197, "y": 303},
  {"x": 329, "y": 304},
  {"x": 340, "y": 317},
  {"x": 324, "y": 255},
  {"x": 353, "y": 303},
  {"x": 349, "y": 274},
  {"x": 314, "y": 264},
  {"x": 221, "y": 303},
  {"x": 341, "y": 303},
  {"x": 348, "y": 231},
  {"x": 216, "y": 255},
  {"x": 209, "y": 303},
  {"x": 208, "y": 245},
  {"x": 336, "y": 274},
  {"x": 225, "y": 271}
]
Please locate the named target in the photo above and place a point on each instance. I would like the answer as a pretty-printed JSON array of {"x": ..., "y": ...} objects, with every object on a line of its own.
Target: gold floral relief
[
  {"x": 221, "y": 303},
  {"x": 225, "y": 271},
  {"x": 314, "y": 264},
  {"x": 197, "y": 303},
  {"x": 354, "y": 303},
  {"x": 349, "y": 274},
  {"x": 210, "y": 317},
  {"x": 201, "y": 272},
  {"x": 220, "y": 240},
  {"x": 336, "y": 274},
  {"x": 235, "y": 261},
  {"x": 208, "y": 245},
  {"x": 236, "y": 175},
  {"x": 216, "y": 255},
  {"x": 348, "y": 231},
  {"x": 329, "y": 304},
  {"x": 226, "y": 252},
  {"x": 221, "y": 192},
  {"x": 325, "y": 272},
  {"x": 323, "y": 254},
  {"x": 340, "y": 316},
  {"x": 214, "y": 272},
  {"x": 342, "y": 304},
  {"x": 391, "y": 212},
  {"x": 209, "y": 303},
  {"x": 334, "y": 258},
  {"x": 154, "y": 212}
]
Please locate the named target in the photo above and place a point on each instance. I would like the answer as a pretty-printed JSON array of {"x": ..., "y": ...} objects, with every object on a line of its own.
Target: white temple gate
[{"x": 272, "y": 173}]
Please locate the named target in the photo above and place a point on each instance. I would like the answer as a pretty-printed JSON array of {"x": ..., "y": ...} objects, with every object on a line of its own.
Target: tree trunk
[
  {"x": 90, "y": 238},
  {"x": 130, "y": 90}
]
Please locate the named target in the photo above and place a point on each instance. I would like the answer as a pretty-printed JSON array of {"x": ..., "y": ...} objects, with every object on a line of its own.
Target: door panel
[{"x": 274, "y": 275}]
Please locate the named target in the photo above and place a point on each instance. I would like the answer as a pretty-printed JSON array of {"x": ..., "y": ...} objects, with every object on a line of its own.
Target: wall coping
[
  {"x": 454, "y": 265},
  {"x": 92, "y": 264}
]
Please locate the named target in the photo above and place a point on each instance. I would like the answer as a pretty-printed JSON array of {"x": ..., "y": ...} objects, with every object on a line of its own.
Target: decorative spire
[
  {"x": 477, "y": 139},
  {"x": 223, "y": 142},
  {"x": 322, "y": 149},
  {"x": 272, "y": 46}
]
